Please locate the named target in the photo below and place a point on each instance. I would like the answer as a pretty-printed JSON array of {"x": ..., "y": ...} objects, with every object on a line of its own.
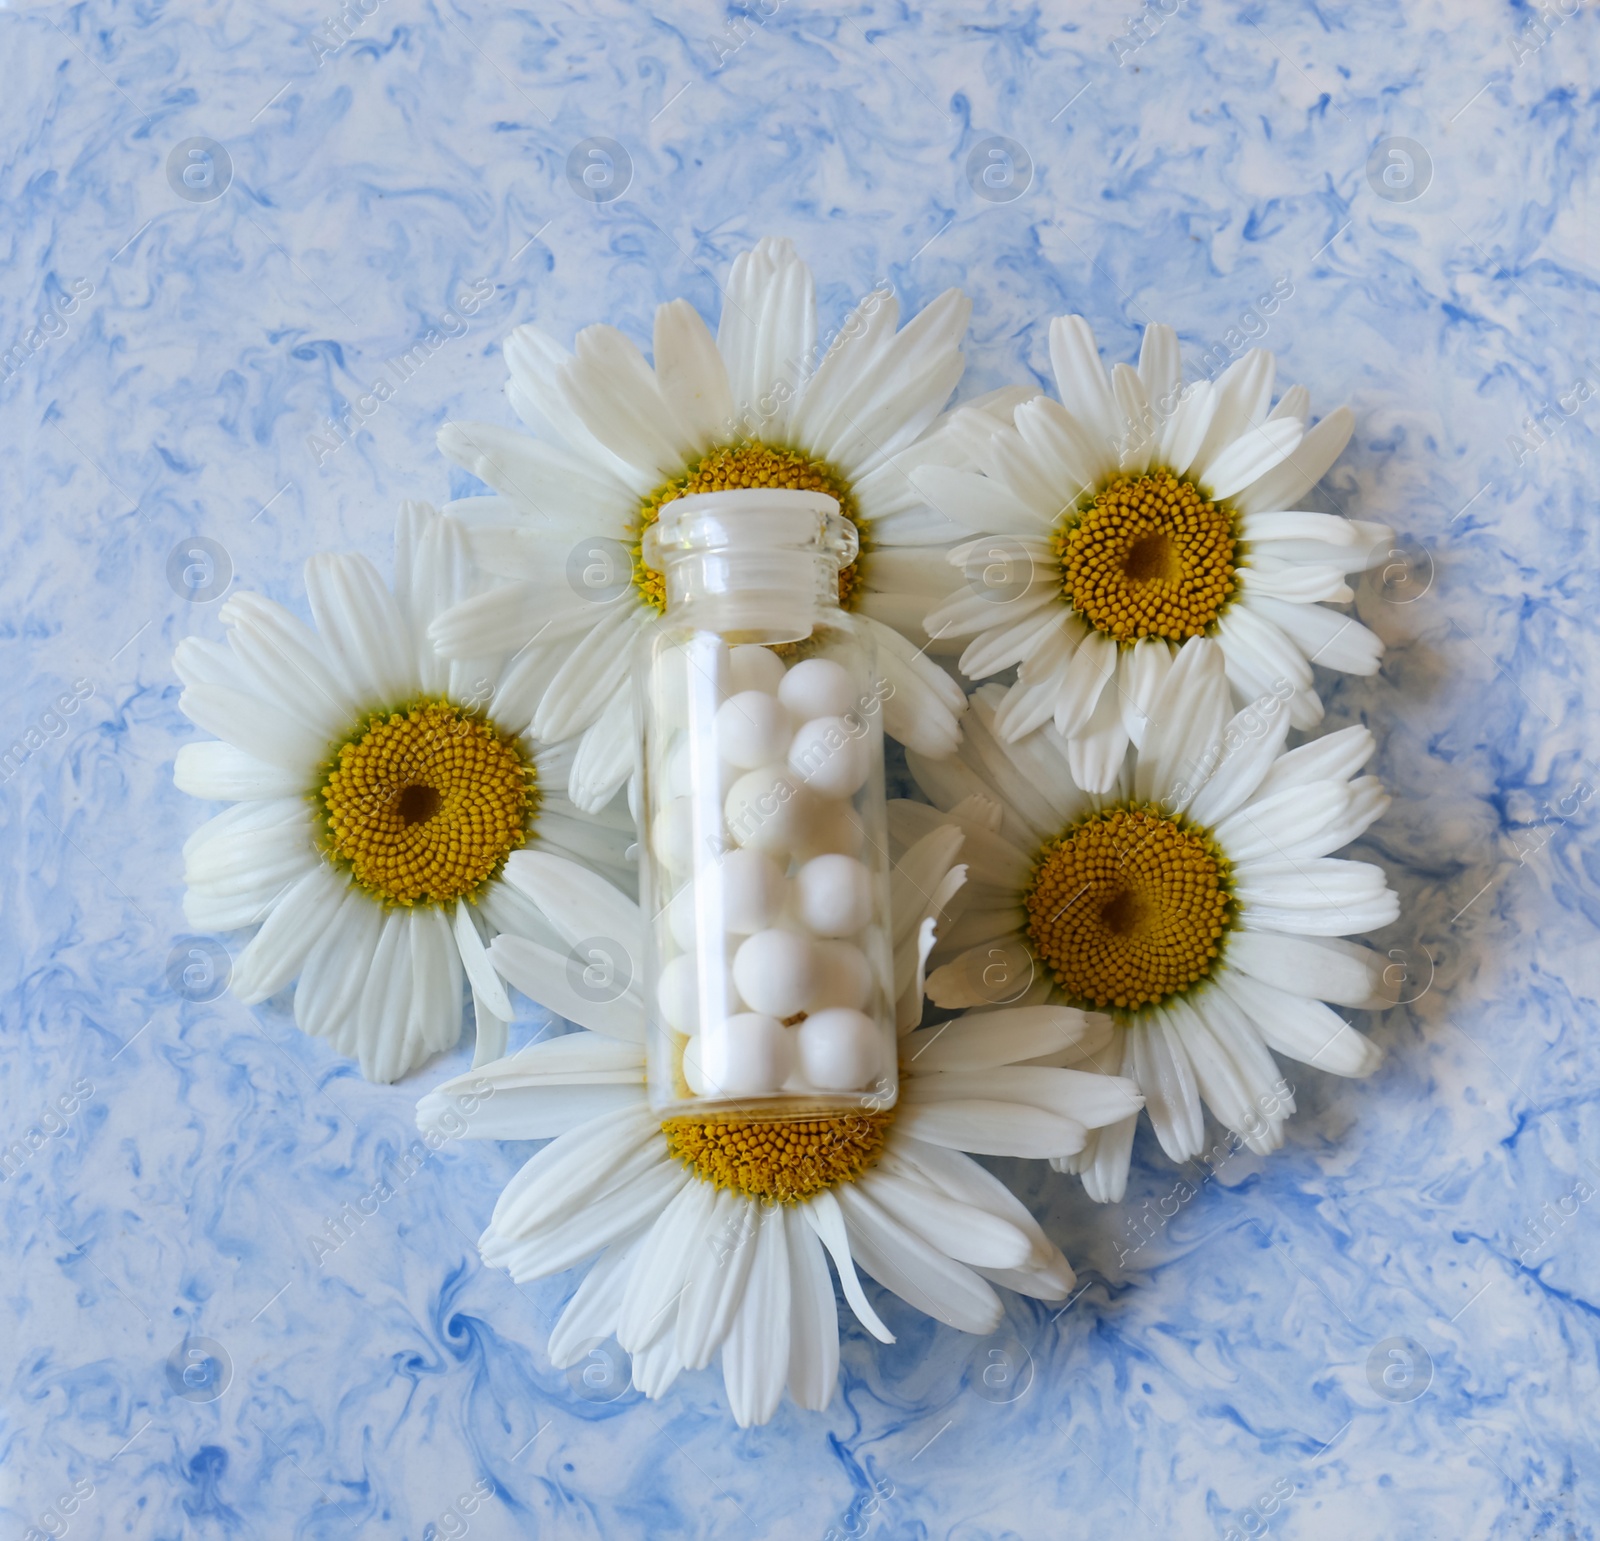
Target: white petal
[
  {"x": 824, "y": 1216},
  {"x": 579, "y": 903},
  {"x": 977, "y": 503},
  {"x": 1326, "y": 637},
  {"x": 1307, "y": 967},
  {"x": 475, "y": 960},
  {"x": 718, "y": 1272},
  {"x": 362, "y": 627},
  {"x": 1287, "y": 483},
  {"x": 693, "y": 379},
  {"x": 655, "y": 1286},
  {"x": 1250, "y": 743},
  {"x": 1064, "y": 449},
  {"x": 615, "y": 395},
  {"x": 1327, "y": 895},
  {"x": 223, "y": 773},
  {"x": 814, "y": 1318},
  {"x": 288, "y": 934},
  {"x": 1079, "y": 1095},
  {"x": 1096, "y": 753},
  {"x": 1303, "y": 1029},
  {"x": 537, "y": 477},
  {"x": 768, "y": 331},
  {"x": 1186, "y": 718},
  {"x": 964, "y": 1232},
  {"x": 755, "y": 1357},
  {"x": 936, "y": 1285},
  {"x": 1092, "y": 670},
  {"x": 981, "y": 1040},
  {"x": 547, "y": 978},
  {"x": 607, "y": 755},
  {"x": 1250, "y": 457},
  {"x": 255, "y": 727},
  {"x": 591, "y": 1315},
  {"x": 1287, "y": 824},
  {"x": 598, "y": 666},
  {"x": 1103, "y": 1163},
  {"x": 560, "y": 1179},
  {"x": 1334, "y": 756},
  {"x": 616, "y": 1213},
  {"x": 1164, "y": 1075},
  {"x": 335, "y": 970},
  {"x": 991, "y": 1128},
  {"x": 1085, "y": 391}
]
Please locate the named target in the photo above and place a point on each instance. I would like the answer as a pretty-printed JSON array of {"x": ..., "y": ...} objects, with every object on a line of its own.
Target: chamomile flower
[
  {"x": 1138, "y": 512},
  {"x": 762, "y": 404},
  {"x": 381, "y": 799},
  {"x": 1196, "y": 900},
  {"x": 714, "y": 1233}
]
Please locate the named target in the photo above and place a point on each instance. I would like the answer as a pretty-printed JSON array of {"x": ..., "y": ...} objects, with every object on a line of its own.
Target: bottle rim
[{"x": 751, "y": 519}]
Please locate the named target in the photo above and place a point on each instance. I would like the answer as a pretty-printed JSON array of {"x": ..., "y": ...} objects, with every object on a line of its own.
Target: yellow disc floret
[
  {"x": 1129, "y": 907},
  {"x": 1149, "y": 557},
  {"x": 780, "y": 1162},
  {"x": 423, "y": 803},
  {"x": 747, "y": 465}
]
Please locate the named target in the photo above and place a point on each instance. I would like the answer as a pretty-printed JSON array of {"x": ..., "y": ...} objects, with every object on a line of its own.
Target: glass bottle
[{"x": 764, "y": 844}]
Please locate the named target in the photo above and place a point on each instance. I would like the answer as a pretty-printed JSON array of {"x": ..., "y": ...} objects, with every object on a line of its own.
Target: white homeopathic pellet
[
  {"x": 678, "y": 994},
  {"x": 831, "y": 755},
  {"x": 689, "y": 772},
  {"x": 833, "y": 895},
  {"x": 746, "y": 1055},
  {"x": 838, "y": 1049},
  {"x": 693, "y": 1074},
  {"x": 844, "y": 977},
  {"x": 767, "y": 810},
  {"x": 776, "y": 971},
  {"x": 753, "y": 890},
  {"x": 672, "y": 835},
  {"x": 753, "y": 667},
  {"x": 816, "y": 687},
  {"x": 753, "y": 729}
]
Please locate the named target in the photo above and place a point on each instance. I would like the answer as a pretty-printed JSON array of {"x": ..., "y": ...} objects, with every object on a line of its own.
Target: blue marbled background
[{"x": 1182, "y": 164}]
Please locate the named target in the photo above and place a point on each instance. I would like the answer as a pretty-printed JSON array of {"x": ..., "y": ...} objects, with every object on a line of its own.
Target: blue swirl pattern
[{"x": 242, "y": 1298}]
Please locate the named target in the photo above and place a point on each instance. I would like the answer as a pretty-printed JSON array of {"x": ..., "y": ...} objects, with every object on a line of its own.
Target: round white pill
[
  {"x": 672, "y": 833},
  {"x": 838, "y": 1049},
  {"x": 753, "y": 890},
  {"x": 687, "y": 770},
  {"x": 753, "y": 729},
  {"x": 828, "y": 827},
  {"x": 753, "y": 667},
  {"x": 833, "y": 895},
  {"x": 693, "y": 1073},
  {"x": 776, "y": 971},
  {"x": 816, "y": 687},
  {"x": 844, "y": 977},
  {"x": 767, "y": 810},
  {"x": 831, "y": 755},
  {"x": 678, "y": 995},
  {"x": 747, "y": 1055}
]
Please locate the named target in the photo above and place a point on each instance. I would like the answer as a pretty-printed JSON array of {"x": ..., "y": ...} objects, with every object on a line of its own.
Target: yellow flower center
[
  {"x": 1129, "y": 907},
  {"x": 424, "y": 803},
  {"x": 780, "y": 1162},
  {"x": 1149, "y": 557},
  {"x": 748, "y": 465}
]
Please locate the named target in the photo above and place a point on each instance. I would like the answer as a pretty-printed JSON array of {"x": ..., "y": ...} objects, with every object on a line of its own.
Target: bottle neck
[{"x": 759, "y": 565}]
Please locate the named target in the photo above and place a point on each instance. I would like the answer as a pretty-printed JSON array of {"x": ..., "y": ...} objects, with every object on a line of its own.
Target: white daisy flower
[
  {"x": 708, "y": 1233},
  {"x": 1195, "y": 899},
  {"x": 760, "y": 406},
  {"x": 1136, "y": 513},
  {"x": 385, "y": 801}
]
